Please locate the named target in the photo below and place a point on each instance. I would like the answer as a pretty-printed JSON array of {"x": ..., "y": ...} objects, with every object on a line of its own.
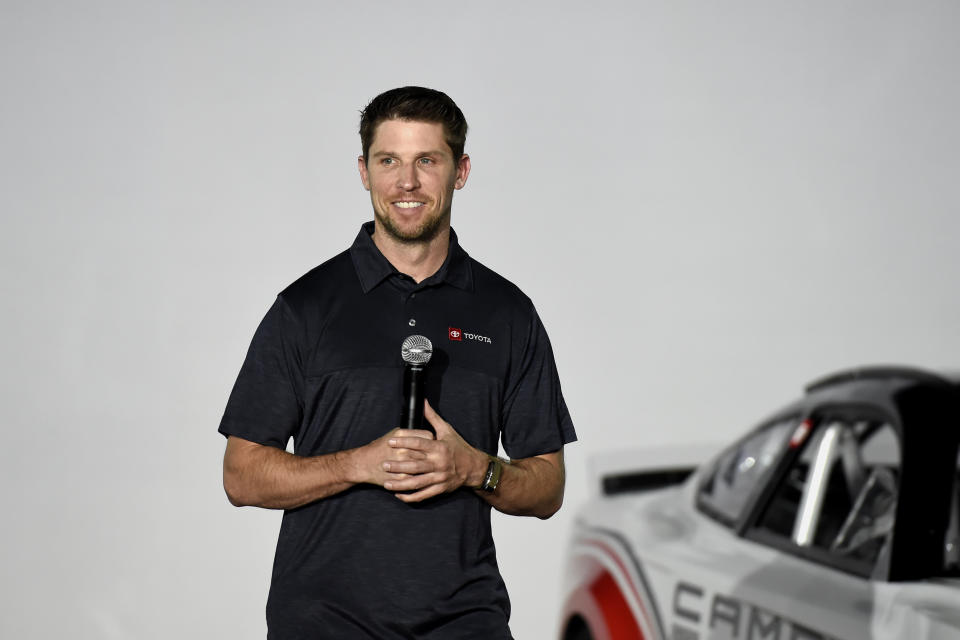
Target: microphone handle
[{"x": 414, "y": 379}]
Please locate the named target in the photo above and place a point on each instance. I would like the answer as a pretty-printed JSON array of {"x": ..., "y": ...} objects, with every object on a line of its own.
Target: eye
[
  {"x": 387, "y": 162},
  {"x": 426, "y": 161}
]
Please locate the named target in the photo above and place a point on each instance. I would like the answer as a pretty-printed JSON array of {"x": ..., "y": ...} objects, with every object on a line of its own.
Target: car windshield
[{"x": 734, "y": 475}]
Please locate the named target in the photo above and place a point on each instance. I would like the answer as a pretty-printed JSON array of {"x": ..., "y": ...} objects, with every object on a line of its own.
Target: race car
[{"x": 837, "y": 518}]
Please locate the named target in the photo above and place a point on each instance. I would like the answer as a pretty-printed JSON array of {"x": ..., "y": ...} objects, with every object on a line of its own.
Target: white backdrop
[{"x": 710, "y": 204}]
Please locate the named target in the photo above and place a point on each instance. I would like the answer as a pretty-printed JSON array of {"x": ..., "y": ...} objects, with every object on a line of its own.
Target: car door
[{"x": 829, "y": 512}]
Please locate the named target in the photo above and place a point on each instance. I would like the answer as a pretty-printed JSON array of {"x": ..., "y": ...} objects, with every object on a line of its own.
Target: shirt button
[{"x": 412, "y": 322}]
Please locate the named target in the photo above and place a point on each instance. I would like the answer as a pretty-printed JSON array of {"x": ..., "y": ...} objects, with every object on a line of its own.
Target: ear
[
  {"x": 463, "y": 170},
  {"x": 364, "y": 176}
]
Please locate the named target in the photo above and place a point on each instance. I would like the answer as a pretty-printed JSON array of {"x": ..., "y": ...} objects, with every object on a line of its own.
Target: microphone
[{"x": 415, "y": 351}]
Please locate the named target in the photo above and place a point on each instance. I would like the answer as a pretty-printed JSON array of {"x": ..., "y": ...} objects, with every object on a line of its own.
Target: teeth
[{"x": 408, "y": 205}]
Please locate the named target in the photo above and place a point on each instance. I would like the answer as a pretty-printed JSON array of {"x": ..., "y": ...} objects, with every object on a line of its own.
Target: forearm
[
  {"x": 530, "y": 486},
  {"x": 262, "y": 476}
]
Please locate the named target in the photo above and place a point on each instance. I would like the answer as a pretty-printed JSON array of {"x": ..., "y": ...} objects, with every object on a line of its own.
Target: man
[{"x": 386, "y": 532}]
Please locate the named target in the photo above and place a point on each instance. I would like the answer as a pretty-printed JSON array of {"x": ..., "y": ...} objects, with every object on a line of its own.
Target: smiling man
[{"x": 386, "y": 532}]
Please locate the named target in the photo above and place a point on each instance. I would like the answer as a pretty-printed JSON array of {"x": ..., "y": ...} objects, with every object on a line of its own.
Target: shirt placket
[{"x": 409, "y": 298}]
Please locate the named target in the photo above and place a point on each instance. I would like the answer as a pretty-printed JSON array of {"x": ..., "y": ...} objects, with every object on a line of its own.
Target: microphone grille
[{"x": 416, "y": 349}]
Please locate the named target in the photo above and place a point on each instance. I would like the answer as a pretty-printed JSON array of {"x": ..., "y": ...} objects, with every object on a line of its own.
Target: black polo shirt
[{"x": 324, "y": 368}]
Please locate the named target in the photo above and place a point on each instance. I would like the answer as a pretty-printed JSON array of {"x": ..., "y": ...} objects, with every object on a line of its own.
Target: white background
[{"x": 710, "y": 204}]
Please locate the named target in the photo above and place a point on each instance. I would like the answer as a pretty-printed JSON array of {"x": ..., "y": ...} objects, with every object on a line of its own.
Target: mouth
[{"x": 408, "y": 204}]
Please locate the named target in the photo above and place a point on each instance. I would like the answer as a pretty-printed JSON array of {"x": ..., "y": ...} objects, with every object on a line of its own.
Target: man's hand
[
  {"x": 427, "y": 467},
  {"x": 372, "y": 462}
]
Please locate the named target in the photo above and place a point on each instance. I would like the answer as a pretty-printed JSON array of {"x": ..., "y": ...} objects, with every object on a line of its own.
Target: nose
[{"x": 407, "y": 178}]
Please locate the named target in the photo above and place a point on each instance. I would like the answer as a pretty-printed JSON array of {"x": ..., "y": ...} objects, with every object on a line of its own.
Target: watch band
[{"x": 492, "y": 478}]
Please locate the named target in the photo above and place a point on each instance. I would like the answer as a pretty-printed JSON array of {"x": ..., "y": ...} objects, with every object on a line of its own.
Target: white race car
[{"x": 837, "y": 518}]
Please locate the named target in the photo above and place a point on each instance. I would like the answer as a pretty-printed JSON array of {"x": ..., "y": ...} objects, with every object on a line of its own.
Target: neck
[{"x": 420, "y": 259}]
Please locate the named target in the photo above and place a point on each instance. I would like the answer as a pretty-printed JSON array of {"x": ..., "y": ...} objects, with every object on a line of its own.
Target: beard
[{"x": 425, "y": 231}]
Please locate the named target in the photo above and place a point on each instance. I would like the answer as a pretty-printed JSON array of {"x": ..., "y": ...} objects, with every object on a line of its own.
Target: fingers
[
  {"x": 412, "y": 443},
  {"x": 406, "y": 454},
  {"x": 406, "y": 482},
  {"x": 419, "y": 496},
  {"x": 412, "y": 433},
  {"x": 417, "y": 488},
  {"x": 409, "y": 467}
]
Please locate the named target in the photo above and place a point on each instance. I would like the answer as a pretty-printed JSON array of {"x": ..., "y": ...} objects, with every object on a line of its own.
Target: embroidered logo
[{"x": 456, "y": 334}]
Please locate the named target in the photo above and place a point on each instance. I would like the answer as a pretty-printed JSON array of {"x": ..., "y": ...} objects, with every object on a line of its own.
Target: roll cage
[{"x": 891, "y": 518}]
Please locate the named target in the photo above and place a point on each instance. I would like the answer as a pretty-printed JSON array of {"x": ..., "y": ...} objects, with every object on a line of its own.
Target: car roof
[{"x": 887, "y": 372}]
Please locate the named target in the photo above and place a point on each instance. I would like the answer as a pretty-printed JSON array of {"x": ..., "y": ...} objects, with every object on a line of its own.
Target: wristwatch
[{"x": 492, "y": 478}]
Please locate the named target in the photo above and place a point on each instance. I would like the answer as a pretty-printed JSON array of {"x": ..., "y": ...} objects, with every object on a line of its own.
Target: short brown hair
[{"x": 418, "y": 104}]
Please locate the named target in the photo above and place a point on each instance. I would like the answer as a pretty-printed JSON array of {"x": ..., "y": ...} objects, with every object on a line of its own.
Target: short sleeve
[
  {"x": 535, "y": 419},
  {"x": 266, "y": 404}
]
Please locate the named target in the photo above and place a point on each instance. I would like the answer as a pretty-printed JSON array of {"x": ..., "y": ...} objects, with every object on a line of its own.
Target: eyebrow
[{"x": 432, "y": 152}]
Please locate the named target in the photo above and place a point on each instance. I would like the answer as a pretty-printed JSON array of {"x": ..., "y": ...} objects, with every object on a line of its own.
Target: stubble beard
[{"x": 426, "y": 231}]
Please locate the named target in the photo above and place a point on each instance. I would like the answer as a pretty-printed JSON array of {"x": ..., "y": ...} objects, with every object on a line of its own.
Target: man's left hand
[{"x": 448, "y": 463}]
